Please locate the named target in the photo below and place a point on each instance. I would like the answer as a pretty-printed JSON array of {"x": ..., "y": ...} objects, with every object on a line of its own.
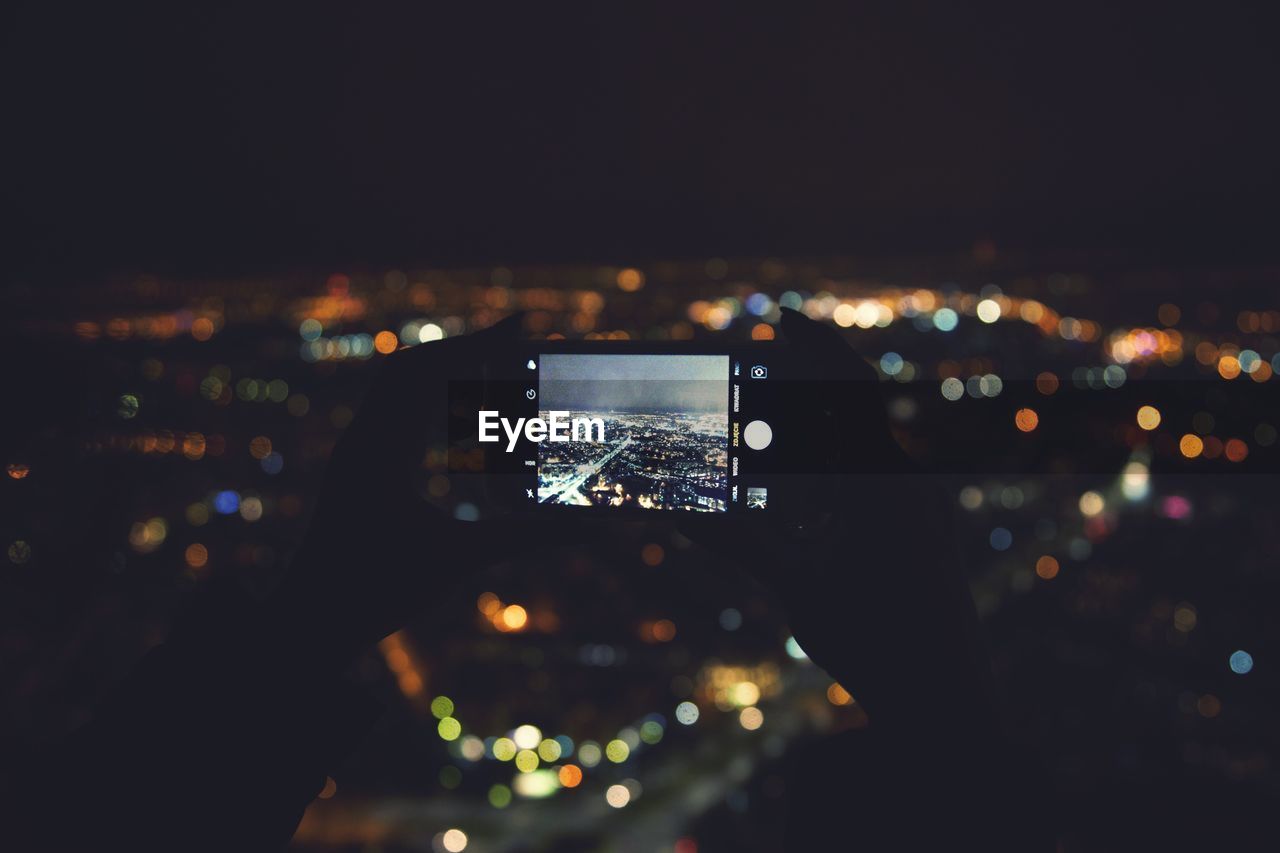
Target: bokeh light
[{"x": 1241, "y": 662}]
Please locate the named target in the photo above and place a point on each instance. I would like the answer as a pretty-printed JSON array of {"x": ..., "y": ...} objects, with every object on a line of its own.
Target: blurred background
[{"x": 1051, "y": 231}]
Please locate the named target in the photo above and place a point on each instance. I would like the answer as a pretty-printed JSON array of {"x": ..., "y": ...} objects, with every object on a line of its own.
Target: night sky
[{"x": 192, "y": 140}]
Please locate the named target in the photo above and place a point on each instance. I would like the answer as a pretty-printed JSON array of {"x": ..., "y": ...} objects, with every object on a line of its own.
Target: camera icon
[{"x": 759, "y": 371}]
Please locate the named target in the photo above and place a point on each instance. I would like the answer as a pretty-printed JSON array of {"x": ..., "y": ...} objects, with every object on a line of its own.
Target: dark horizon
[{"x": 191, "y": 142}]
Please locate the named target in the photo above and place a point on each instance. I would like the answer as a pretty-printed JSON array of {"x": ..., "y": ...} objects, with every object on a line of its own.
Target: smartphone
[{"x": 629, "y": 427}]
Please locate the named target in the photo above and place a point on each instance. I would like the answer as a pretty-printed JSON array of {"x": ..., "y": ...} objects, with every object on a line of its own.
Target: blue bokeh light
[
  {"x": 891, "y": 363},
  {"x": 272, "y": 463},
  {"x": 1241, "y": 662},
  {"x": 945, "y": 319},
  {"x": 226, "y": 502},
  {"x": 759, "y": 303}
]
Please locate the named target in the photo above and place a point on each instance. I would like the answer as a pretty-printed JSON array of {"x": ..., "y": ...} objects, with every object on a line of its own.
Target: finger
[
  {"x": 833, "y": 358},
  {"x": 829, "y": 351},
  {"x": 462, "y": 357},
  {"x": 466, "y": 354},
  {"x": 414, "y": 382},
  {"x": 509, "y": 328},
  {"x": 811, "y": 336},
  {"x": 856, "y": 397}
]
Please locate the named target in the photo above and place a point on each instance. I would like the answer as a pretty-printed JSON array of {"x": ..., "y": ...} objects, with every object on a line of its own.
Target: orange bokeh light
[
  {"x": 664, "y": 630},
  {"x": 514, "y": 617},
  {"x": 196, "y": 555},
  {"x": 1148, "y": 417},
  {"x": 837, "y": 695},
  {"x": 630, "y": 280},
  {"x": 385, "y": 342},
  {"x": 260, "y": 447},
  {"x": 1236, "y": 450},
  {"x": 1047, "y": 568},
  {"x": 410, "y": 683}
]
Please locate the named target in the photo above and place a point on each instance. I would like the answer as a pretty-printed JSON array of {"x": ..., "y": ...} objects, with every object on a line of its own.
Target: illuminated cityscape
[
  {"x": 593, "y": 695},
  {"x": 265, "y": 582},
  {"x": 650, "y": 461},
  {"x": 666, "y": 428}
]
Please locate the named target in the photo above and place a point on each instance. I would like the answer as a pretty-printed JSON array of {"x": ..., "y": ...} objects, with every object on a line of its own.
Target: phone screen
[
  {"x": 618, "y": 428},
  {"x": 649, "y": 431}
]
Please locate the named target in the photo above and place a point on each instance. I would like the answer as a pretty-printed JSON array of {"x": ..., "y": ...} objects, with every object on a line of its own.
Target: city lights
[{"x": 540, "y": 711}]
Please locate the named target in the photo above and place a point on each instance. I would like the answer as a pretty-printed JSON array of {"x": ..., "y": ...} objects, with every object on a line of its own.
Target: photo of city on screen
[{"x": 665, "y": 427}]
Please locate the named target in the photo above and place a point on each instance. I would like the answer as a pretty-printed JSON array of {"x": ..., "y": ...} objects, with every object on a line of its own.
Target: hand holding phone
[
  {"x": 376, "y": 551},
  {"x": 617, "y": 428},
  {"x": 871, "y": 580}
]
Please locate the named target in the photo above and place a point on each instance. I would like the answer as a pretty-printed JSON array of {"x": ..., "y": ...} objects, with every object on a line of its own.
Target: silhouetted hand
[
  {"x": 874, "y": 592},
  {"x": 224, "y": 734},
  {"x": 376, "y": 551},
  {"x": 870, "y": 579}
]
